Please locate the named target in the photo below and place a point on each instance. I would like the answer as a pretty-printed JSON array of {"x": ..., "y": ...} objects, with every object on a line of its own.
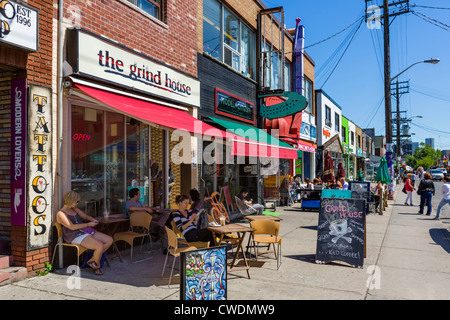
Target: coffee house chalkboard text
[
  {"x": 234, "y": 107},
  {"x": 340, "y": 231}
]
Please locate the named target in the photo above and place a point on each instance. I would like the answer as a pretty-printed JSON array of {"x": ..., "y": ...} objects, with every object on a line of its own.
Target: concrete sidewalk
[{"x": 407, "y": 258}]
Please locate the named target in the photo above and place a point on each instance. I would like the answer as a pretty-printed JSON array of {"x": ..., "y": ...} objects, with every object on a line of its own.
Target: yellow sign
[{"x": 274, "y": 181}]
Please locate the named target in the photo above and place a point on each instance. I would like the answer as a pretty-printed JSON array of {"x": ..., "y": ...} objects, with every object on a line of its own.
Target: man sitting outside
[
  {"x": 249, "y": 203},
  {"x": 158, "y": 219}
]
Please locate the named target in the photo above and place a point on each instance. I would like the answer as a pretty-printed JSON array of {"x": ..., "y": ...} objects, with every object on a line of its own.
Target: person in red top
[{"x": 409, "y": 189}]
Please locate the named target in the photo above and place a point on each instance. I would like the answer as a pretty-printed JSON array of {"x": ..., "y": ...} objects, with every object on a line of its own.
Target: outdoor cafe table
[
  {"x": 109, "y": 226},
  {"x": 241, "y": 230},
  {"x": 262, "y": 217}
]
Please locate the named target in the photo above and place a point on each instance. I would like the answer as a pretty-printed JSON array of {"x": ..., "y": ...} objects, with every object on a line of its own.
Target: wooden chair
[
  {"x": 266, "y": 231},
  {"x": 182, "y": 240},
  {"x": 173, "y": 250},
  {"x": 80, "y": 249},
  {"x": 138, "y": 219}
]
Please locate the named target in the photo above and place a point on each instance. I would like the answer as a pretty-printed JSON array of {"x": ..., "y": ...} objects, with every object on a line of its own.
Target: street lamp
[
  {"x": 389, "y": 117},
  {"x": 433, "y": 61},
  {"x": 388, "y": 102}
]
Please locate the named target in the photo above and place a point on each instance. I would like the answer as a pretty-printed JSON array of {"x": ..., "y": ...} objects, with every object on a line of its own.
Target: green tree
[{"x": 424, "y": 156}]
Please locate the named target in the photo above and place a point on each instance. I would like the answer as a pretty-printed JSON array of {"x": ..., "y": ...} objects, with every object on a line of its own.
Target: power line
[
  {"x": 432, "y": 130},
  {"x": 430, "y": 95},
  {"x": 428, "y": 7},
  {"x": 431, "y": 20},
  {"x": 343, "y": 53},
  {"x": 376, "y": 111},
  {"x": 334, "y": 35}
]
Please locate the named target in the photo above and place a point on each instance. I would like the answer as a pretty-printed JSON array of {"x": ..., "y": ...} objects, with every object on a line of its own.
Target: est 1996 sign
[{"x": 19, "y": 25}]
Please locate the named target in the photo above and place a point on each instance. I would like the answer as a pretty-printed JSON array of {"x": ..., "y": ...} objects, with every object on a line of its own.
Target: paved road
[{"x": 407, "y": 258}]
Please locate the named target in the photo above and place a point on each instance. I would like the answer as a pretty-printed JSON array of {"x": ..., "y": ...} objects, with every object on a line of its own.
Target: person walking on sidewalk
[
  {"x": 409, "y": 188},
  {"x": 426, "y": 191},
  {"x": 446, "y": 193}
]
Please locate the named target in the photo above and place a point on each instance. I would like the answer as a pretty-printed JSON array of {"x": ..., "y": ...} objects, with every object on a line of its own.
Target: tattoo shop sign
[
  {"x": 19, "y": 25},
  {"x": 39, "y": 160}
]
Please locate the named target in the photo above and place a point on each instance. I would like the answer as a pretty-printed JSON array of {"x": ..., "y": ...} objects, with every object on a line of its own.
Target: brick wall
[
  {"x": 172, "y": 41},
  {"x": 5, "y": 154},
  {"x": 37, "y": 67}
]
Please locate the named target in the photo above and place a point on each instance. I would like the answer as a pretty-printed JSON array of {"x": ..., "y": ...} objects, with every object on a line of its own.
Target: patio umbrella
[
  {"x": 328, "y": 170},
  {"x": 382, "y": 172},
  {"x": 341, "y": 171}
]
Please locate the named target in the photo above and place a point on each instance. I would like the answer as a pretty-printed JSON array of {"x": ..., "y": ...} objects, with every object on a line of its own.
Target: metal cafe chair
[
  {"x": 266, "y": 231},
  {"x": 80, "y": 249},
  {"x": 138, "y": 219}
]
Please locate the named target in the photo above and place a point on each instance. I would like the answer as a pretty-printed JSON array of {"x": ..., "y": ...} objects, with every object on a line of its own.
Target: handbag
[
  {"x": 404, "y": 189},
  {"x": 89, "y": 230}
]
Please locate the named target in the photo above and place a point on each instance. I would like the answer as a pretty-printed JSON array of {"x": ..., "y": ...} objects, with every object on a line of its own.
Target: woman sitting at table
[
  {"x": 186, "y": 222},
  {"x": 75, "y": 231}
]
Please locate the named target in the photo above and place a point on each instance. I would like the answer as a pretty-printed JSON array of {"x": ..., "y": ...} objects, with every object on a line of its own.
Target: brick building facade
[{"x": 36, "y": 66}]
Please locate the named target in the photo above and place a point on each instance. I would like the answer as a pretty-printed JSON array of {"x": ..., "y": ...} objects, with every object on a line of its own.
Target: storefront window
[
  {"x": 88, "y": 165},
  {"x": 114, "y": 162},
  {"x": 137, "y": 158},
  {"x": 104, "y": 164}
]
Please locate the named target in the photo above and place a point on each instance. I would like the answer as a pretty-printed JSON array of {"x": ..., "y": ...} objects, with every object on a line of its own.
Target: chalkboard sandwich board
[{"x": 340, "y": 231}]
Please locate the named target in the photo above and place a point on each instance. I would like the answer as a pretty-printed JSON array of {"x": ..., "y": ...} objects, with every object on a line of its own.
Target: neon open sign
[{"x": 81, "y": 137}]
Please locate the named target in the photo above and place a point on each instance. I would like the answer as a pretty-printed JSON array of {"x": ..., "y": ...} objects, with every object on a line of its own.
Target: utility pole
[
  {"x": 387, "y": 73},
  {"x": 398, "y": 7}
]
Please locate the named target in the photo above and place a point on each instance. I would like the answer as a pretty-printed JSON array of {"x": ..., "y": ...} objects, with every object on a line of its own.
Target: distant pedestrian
[
  {"x": 420, "y": 173},
  {"x": 413, "y": 178},
  {"x": 446, "y": 193},
  {"x": 426, "y": 191},
  {"x": 409, "y": 189}
]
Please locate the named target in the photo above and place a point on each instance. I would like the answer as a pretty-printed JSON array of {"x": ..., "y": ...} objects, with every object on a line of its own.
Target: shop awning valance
[
  {"x": 177, "y": 119},
  {"x": 152, "y": 113},
  {"x": 262, "y": 145}
]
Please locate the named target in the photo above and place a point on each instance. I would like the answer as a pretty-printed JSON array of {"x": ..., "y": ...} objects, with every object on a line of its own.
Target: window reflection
[
  {"x": 87, "y": 158},
  {"x": 108, "y": 159}
]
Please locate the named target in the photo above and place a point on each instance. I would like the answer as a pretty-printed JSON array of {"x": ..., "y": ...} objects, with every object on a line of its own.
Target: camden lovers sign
[
  {"x": 39, "y": 170},
  {"x": 104, "y": 60},
  {"x": 340, "y": 232}
]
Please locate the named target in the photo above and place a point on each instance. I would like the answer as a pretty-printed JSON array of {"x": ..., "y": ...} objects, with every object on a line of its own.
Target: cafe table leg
[
  {"x": 240, "y": 248},
  {"x": 111, "y": 233}
]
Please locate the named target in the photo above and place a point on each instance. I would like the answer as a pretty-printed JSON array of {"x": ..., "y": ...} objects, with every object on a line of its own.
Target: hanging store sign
[
  {"x": 18, "y": 151},
  {"x": 19, "y": 25},
  {"x": 39, "y": 171},
  {"x": 233, "y": 107},
  {"x": 305, "y": 146},
  {"x": 106, "y": 61}
]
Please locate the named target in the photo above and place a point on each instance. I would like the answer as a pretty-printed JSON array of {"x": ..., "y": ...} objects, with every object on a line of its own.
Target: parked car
[{"x": 436, "y": 174}]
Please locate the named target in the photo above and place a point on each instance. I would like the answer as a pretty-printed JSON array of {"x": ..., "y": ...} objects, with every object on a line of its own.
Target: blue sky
[{"x": 358, "y": 80}]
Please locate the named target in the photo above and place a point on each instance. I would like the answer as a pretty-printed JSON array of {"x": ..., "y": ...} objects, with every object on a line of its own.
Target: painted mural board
[
  {"x": 39, "y": 167},
  {"x": 204, "y": 274}
]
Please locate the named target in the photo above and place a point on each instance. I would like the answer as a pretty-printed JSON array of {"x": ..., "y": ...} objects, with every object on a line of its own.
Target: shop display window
[{"x": 109, "y": 156}]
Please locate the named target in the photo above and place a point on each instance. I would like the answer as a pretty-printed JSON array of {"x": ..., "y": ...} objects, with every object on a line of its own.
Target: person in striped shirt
[{"x": 186, "y": 222}]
